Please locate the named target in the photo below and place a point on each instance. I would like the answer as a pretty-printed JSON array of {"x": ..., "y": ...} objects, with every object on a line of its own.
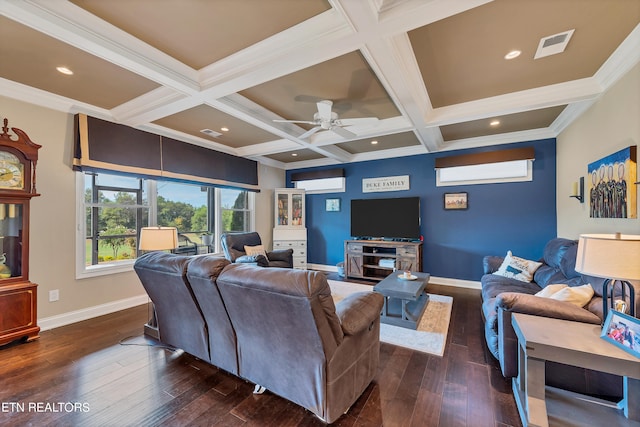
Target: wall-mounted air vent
[
  {"x": 551, "y": 45},
  {"x": 211, "y": 133}
]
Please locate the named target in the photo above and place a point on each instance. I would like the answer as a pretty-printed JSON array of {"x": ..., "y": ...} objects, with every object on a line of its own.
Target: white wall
[
  {"x": 611, "y": 124},
  {"x": 52, "y": 240},
  {"x": 269, "y": 179}
]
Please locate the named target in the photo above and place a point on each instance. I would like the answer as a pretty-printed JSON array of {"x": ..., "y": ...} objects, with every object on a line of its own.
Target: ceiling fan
[{"x": 325, "y": 119}]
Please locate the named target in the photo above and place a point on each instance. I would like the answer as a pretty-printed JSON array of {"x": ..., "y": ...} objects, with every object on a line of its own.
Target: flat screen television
[{"x": 392, "y": 218}]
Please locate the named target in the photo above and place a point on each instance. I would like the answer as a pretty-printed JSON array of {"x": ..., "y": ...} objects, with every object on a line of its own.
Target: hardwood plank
[
  {"x": 479, "y": 402},
  {"x": 454, "y": 407}
]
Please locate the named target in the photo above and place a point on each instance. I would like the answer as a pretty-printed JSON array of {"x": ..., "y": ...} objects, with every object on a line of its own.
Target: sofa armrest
[
  {"x": 259, "y": 260},
  {"x": 546, "y": 307},
  {"x": 359, "y": 311},
  {"x": 491, "y": 264},
  {"x": 285, "y": 255}
]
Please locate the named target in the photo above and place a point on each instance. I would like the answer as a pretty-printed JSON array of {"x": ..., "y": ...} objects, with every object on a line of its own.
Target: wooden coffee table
[{"x": 404, "y": 300}]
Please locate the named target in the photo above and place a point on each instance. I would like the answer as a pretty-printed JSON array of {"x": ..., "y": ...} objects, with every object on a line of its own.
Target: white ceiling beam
[{"x": 516, "y": 102}]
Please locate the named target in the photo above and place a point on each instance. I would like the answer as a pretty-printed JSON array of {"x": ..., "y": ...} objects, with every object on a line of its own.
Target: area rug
[{"x": 431, "y": 335}]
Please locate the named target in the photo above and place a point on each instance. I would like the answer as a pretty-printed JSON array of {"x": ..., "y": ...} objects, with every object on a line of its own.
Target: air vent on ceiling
[
  {"x": 551, "y": 45},
  {"x": 211, "y": 133}
]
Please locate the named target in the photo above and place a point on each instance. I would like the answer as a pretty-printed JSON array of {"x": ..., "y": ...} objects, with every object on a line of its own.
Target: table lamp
[
  {"x": 156, "y": 239},
  {"x": 616, "y": 258}
]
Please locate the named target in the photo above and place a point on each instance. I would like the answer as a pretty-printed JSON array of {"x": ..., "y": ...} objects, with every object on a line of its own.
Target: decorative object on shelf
[
  {"x": 18, "y": 295},
  {"x": 578, "y": 190},
  {"x": 5, "y": 272},
  {"x": 332, "y": 205},
  {"x": 453, "y": 201},
  {"x": 610, "y": 178},
  {"x": 623, "y": 331},
  {"x": 613, "y": 257}
]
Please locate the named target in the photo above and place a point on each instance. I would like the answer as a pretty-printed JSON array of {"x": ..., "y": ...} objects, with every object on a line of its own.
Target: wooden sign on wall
[{"x": 387, "y": 183}]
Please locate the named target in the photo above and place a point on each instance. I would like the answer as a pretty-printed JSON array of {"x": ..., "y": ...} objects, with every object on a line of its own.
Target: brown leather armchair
[{"x": 233, "y": 246}]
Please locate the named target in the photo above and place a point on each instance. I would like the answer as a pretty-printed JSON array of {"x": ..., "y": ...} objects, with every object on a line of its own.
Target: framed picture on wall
[
  {"x": 456, "y": 201},
  {"x": 332, "y": 205}
]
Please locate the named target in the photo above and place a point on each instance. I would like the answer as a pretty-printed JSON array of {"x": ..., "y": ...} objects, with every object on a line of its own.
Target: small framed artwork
[
  {"x": 332, "y": 205},
  {"x": 623, "y": 331},
  {"x": 456, "y": 201}
]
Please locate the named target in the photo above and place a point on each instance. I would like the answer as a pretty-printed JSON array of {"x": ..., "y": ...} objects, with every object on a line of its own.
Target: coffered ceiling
[{"x": 433, "y": 72}]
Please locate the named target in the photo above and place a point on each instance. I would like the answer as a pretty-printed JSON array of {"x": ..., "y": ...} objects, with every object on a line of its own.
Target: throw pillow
[
  {"x": 550, "y": 290},
  {"x": 518, "y": 268},
  {"x": 256, "y": 250},
  {"x": 576, "y": 295}
]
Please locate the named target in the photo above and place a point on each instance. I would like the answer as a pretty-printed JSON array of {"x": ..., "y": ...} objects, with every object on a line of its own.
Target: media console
[{"x": 376, "y": 259}]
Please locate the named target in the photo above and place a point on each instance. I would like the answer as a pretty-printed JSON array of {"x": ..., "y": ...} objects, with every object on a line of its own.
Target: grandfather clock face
[{"x": 11, "y": 171}]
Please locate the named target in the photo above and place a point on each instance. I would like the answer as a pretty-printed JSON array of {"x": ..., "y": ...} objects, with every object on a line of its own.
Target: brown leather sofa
[{"x": 275, "y": 327}]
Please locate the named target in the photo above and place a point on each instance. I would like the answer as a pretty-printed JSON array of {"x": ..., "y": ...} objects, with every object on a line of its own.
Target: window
[
  {"x": 322, "y": 185},
  {"x": 236, "y": 207},
  {"x": 113, "y": 208},
  {"x": 489, "y": 173}
]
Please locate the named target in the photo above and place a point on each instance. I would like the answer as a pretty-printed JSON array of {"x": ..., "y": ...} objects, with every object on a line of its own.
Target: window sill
[{"x": 105, "y": 269}]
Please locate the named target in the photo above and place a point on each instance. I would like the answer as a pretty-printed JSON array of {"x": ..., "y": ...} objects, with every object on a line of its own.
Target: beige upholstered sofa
[{"x": 276, "y": 327}]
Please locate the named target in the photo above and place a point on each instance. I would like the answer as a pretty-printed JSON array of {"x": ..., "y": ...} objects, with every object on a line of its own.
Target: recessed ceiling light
[
  {"x": 512, "y": 54},
  {"x": 224, "y": 129},
  {"x": 494, "y": 122},
  {"x": 294, "y": 154},
  {"x": 374, "y": 142},
  {"x": 64, "y": 70}
]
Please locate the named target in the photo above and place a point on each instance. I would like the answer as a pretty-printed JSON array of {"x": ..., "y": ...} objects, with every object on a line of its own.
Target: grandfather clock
[{"x": 18, "y": 296}]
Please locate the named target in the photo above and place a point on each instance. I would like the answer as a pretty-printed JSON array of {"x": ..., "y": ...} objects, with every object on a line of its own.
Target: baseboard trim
[
  {"x": 459, "y": 283},
  {"x": 64, "y": 319}
]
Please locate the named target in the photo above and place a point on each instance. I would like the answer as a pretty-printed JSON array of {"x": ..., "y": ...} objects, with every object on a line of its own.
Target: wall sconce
[{"x": 578, "y": 190}]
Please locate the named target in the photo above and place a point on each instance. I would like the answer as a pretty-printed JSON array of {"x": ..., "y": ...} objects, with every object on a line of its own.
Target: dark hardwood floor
[{"x": 81, "y": 375}]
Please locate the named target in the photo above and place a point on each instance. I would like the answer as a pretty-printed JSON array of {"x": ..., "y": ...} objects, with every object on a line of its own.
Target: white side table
[{"x": 542, "y": 339}]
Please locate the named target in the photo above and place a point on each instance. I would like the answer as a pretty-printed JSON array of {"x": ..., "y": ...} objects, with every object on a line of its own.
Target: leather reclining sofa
[
  {"x": 502, "y": 296},
  {"x": 275, "y": 327}
]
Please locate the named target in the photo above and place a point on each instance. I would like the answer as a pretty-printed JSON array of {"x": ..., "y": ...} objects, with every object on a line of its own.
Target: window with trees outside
[{"x": 116, "y": 207}]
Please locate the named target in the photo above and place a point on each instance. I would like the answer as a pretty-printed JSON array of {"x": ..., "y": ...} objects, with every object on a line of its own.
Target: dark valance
[
  {"x": 318, "y": 174},
  {"x": 106, "y": 146},
  {"x": 524, "y": 153}
]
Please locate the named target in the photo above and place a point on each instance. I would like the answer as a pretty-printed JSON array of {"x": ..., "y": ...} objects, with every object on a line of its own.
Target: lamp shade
[
  {"x": 158, "y": 238},
  {"x": 610, "y": 256}
]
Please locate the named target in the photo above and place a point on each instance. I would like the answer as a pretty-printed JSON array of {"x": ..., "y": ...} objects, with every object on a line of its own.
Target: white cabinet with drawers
[
  {"x": 289, "y": 231},
  {"x": 299, "y": 249}
]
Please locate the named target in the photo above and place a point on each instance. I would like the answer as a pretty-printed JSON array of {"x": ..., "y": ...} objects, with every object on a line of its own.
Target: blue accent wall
[{"x": 518, "y": 216}]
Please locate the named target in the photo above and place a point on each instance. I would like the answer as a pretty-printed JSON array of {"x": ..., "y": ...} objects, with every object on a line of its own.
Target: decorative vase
[{"x": 5, "y": 272}]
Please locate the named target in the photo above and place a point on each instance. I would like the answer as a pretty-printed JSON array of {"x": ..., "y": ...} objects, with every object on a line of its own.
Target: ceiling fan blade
[
  {"x": 324, "y": 110},
  {"x": 343, "y": 132},
  {"x": 310, "y": 132},
  {"x": 363, "y": 121},
  {"x": 307, "y": 122}
]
